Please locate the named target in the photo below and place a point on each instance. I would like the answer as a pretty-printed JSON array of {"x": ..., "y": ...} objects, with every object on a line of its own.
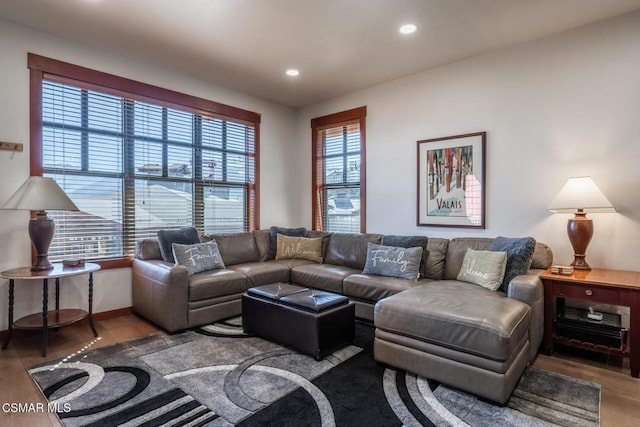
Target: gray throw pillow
[
  {"x": 273, "y": 234},
  {"x": 484, "y": 268},
  {"x": 410, "y": 242},
  {"x": 519, "y": 255},
  {"x": 198, "y": 257},
  {"x": 184, "y": 236},
  {"x": 392, "y": 261}
]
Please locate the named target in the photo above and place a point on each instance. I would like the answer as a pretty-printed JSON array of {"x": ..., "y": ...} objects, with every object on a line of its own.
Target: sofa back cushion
[
  {"x": 456, "y": 251},
  {"x": 436, "y": 256},
  {"x": 263, "y": 242},
  {"x": 236, "y": 248},
  {"x": 410, "y": 242},
  {"x": 350, "y": 250},
  {"x": 313, "y": 234}
]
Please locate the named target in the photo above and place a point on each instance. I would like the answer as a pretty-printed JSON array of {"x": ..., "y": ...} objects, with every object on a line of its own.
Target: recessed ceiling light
[
  {"x": 292, "y": 72},
  {"x": 408, "y": 29}
]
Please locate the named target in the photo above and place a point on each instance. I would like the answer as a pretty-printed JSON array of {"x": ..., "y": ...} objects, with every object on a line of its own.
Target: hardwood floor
[
  {"x": 620, "y": 405},
  {"x": 620, "y": 392}
]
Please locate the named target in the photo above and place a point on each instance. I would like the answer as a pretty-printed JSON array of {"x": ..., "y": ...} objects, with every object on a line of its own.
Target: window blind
[{"x": 134, "y": 167}]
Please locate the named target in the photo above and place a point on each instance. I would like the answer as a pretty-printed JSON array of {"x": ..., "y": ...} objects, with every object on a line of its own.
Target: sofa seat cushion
[
  {"x": 263, "y": 273},
  {"x": 457, "y": 315},
  {"x": 436, "y": 256},
  {"x": 373, "y": 288},
  {"x": 216, "y": 283},
  {"x": 327, "y": 277}
]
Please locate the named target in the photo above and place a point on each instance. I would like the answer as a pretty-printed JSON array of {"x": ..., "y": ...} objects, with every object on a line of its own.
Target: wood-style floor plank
[{"x": 620, "y": 392}]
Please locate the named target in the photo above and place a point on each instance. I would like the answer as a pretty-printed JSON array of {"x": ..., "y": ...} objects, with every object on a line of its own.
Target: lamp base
[
  {"x": 580, "y": 263},
  {"x": 580, "y": 231},
  {"x": 41, "y": 230}
]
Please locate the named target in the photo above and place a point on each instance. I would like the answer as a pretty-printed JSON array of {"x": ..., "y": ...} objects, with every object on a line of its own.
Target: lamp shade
[
  {"x": 39, "y": 193},
  {"x": 580, "y": 194}
]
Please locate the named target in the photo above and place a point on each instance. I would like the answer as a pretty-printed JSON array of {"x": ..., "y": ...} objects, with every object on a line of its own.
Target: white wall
[
  {"x": 563, "y": 106},
  {"x": 113, "y": 287}
]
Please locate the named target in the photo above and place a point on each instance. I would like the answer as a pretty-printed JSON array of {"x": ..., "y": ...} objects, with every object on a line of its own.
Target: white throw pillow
[{"x": 484, "y": 268}]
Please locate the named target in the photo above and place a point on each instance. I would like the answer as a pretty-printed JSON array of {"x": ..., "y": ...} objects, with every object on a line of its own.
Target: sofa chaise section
[
  {"x": 479, "y": 343},
  {"x": 460, "y": 333}
]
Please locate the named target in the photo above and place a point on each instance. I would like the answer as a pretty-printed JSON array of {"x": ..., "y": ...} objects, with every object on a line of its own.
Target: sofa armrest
[
  {"x": 161, "y": 293},
  {"x": 528, "y": 288}
]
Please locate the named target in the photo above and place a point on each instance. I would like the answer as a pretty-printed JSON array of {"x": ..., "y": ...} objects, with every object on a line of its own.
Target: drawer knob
[{"x": 589, "y": 292}]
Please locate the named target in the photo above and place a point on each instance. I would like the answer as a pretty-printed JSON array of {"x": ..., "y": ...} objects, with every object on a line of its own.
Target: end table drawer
[{"x": 586, "y": 292}]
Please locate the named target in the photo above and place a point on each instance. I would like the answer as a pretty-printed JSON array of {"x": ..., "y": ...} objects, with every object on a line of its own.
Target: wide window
[
  {"x": 135, "y": 164},
  {"x": 339, "y": 171}
]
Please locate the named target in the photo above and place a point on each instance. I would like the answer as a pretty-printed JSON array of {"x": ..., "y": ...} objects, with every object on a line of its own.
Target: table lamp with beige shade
[
  {"x": 579, "y": 196},
  {"x": 40, "y": 194}
]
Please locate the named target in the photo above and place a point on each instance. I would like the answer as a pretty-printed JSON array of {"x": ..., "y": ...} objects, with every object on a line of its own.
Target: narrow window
[{"x": 339, "y": 171}]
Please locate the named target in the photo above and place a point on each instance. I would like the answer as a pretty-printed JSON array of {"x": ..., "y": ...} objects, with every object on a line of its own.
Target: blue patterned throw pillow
[
  {"x": 199, "y": 257},
  {"x": 393, "y": 261},
  {"x": 184, "y": 236},
  {"x": 519, "y": 255}
]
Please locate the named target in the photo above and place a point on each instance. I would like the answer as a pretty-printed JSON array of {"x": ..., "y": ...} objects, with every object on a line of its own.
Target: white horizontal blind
[
  {"x": 341, "y": 178},
  {"x": 228, "y": 169},
  {"x": 163, "y": 169},
  {"x": 134, "y": 168},
  {"x": 82, "y": 151}
]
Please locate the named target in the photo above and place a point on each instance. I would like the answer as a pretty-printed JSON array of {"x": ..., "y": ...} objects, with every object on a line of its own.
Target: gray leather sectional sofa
[{"x": 438, "y": 327}]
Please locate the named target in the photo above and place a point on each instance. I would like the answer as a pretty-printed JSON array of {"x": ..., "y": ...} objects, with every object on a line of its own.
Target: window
[
  {"x": 339, "y": 172},
  {"x": 135, "y": 163}
]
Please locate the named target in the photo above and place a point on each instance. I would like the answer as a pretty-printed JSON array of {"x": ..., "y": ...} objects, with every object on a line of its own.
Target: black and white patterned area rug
[{"x": 218, "y": 376}]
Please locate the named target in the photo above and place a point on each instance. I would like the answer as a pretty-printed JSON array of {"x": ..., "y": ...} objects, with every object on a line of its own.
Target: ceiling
[{"x": 338, "y": 45}]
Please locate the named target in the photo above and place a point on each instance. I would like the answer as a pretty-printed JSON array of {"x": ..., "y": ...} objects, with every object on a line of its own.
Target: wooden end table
[
  {"x": 598, "y": 286},
  {"x": 49, "y": 318}
]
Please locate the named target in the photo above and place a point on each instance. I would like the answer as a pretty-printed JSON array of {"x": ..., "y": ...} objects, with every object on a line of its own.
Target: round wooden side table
[{"x": 49, "y": 318}]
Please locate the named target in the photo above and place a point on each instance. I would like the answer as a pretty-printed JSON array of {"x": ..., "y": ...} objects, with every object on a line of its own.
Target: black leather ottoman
[{"x": 313, "y": 322}]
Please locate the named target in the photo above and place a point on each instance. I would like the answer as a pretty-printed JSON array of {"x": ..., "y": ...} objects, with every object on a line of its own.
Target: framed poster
[{"x": 451, "y": 182}]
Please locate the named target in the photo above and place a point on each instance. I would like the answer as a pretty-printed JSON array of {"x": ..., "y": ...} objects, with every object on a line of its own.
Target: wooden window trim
[
  {"x": 355, "y": 115},
  {"x": 121, "y": 86},
  {"x": 43, "y": 68}
]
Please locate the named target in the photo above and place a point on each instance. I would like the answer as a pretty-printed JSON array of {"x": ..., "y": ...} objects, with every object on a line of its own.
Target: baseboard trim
[{"x": 103, "y": 315}]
